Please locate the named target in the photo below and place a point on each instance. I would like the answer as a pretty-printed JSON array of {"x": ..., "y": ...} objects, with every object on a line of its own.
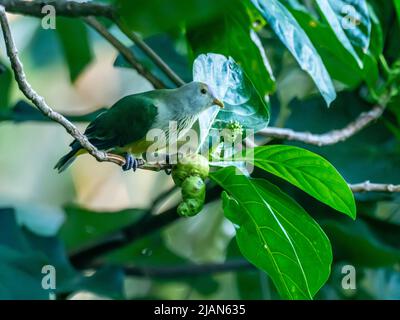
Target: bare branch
[
  {"x": 328, "y": 138},
  {"x": 63, "y": 8},
  {"x": 374, "y": 187},
  {"x": 125, "y": 52},
  {"x": 189, "y": 270},
  {"x": 150, "y": 53}
]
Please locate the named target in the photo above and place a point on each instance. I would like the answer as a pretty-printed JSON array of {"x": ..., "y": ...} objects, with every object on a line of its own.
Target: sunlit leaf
[
  {"x": 296, "y": 40},
  {"x": 309, "y": 172},
  {"x": 275, "y": 234},
  {"x": 232, "y": 86}
]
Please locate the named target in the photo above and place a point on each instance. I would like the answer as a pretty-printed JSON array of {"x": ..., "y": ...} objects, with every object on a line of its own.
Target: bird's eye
[{"x": 203, "y": 91}]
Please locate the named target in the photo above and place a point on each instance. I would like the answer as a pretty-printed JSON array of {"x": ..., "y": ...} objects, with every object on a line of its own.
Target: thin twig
[
  {"x": 374, "y": 187},
  {"x": 125, "y": 52},
  {"x": 62, "y": 8},
  {"x": 328, "y": 138},
  {"x": 149, "y": 52},
  {"x": 190, "y": 270}
]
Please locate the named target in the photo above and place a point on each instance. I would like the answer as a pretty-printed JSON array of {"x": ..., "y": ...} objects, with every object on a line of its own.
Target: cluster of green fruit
[{"x": 189, "y": 174}]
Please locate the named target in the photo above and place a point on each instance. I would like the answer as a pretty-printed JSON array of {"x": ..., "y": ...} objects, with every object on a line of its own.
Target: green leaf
[
  {"x": 350, "y": 21},
  {"x": 397, "y": 5},
  {"x": 166, "y": 48},
  {"x": 5, "y": 86},
  {"x": 338, "y": 61},
  {"x": 232, "y": 36},
  {"x": 276, "y": 234},
  {"x": 296, "y": 40},
  {"x": 154, "y": 16},
  {"x": 356, "y": 242},
  {"x": 74, "y": 39},
  {"x": 309, "y": 172}
]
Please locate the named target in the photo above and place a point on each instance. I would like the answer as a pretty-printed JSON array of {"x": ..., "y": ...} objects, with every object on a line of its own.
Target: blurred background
[{"x": 46, "y": 216}]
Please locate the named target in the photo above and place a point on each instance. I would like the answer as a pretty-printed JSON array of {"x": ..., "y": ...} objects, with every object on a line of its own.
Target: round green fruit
[
  {"x": 190, "y": 207},
  {"x": 192, "y": 165},
  {"x": 193, "y": 187}
]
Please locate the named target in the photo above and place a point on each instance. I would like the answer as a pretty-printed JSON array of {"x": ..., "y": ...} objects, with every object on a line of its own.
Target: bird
[{"x": 122, "y": 128}]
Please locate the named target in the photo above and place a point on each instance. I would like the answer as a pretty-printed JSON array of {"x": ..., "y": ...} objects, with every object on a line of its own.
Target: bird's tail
[{"x": 67, "y": 160}]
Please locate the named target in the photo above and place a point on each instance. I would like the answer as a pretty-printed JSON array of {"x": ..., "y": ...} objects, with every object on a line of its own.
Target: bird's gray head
[{"x": 197, "y": 97}]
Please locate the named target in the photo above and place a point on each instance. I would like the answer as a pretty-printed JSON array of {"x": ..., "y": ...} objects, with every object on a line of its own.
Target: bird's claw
[
  {"x": 168, "y": 171},
  {"x": 130, "y": 163}
]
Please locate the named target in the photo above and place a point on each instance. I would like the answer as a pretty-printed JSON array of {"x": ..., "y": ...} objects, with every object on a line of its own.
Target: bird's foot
[
  {"x": 130, "y": 162},
  {"x": 168, "y": 170}
]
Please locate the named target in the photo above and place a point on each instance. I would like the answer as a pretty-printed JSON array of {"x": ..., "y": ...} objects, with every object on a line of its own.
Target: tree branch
[
  {"x": 149, "y": 52},
  {"x": 41, "y": 104},
  {"x": 63, "y": 8},
  {"x": 374, "y": 187},
  {"x": 328, "y": 138},
  {"x": 189, "y": 270},
  {"x": 125, "y": 52}
]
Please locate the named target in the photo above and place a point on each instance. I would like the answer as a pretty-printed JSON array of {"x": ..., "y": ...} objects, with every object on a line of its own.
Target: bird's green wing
[{"x": 125, "y": 122}]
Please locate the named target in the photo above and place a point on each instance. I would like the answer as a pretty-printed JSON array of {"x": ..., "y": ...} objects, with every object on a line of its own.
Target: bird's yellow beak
[{"x": 218, "y": 103}]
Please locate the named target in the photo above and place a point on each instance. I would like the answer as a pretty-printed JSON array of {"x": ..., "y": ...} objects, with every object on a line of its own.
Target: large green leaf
[
  {"x": 296, "y": 40},
  {"x": 309, "y": 172},
  {"x": 74, "y": 39},
  {"x": 275, "y": 234},
  {"x": 232, "y": 36},
  {"x": 350, "y": 21}
]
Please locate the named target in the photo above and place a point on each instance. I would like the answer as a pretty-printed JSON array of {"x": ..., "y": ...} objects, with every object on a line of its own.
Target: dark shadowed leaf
[
  {"x": 355, "y": 241},
  {"x": 24, "y": 254},
  {"x": 154, "y": 16},
  {"x": 5, "y": 86},
  {"x": 74, "y": 39},
  {"x": 165, "y": 47}
]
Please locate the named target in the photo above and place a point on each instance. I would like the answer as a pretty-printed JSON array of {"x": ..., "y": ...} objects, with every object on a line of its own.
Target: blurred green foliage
[{"x": 286, "y": 56}]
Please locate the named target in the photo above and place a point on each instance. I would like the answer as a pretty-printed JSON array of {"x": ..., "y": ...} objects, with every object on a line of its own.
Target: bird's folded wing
[{"x": 124, "y": 123}]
